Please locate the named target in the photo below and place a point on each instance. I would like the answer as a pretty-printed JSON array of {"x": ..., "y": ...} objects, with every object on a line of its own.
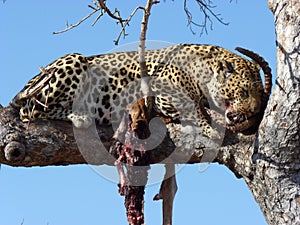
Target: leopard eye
[{"x": 245, "y": 92}]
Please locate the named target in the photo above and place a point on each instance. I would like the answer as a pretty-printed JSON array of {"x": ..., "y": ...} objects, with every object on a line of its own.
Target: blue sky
[{"x": 77, "y": 195}]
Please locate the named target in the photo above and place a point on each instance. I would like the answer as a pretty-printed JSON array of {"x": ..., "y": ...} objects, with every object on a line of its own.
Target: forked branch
[
  {"x": 100, "y": 7},
  {"x": 206, "y": 9},
  {"x": 70, "y": 27},
  {"x": 126, "y": 23}
]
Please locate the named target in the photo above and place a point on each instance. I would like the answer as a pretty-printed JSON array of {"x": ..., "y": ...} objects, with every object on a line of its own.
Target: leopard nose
[{"x": 229, "y": 117}]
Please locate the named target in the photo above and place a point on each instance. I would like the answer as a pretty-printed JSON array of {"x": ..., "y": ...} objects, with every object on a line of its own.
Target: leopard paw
[{"x": 80, "y": 120}]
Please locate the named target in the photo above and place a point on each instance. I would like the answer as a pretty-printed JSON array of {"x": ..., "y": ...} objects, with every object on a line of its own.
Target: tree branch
[
  {"x": 70, "y": 27},
  {"x": 127, "y": 23},
  {"x": 99, "y": 6},
  {"x": 206, "y": 9},
  {"x": 102, "y": 4},
  {"x": 52, "y": 142},
  {"x": 141, "y": 52}
]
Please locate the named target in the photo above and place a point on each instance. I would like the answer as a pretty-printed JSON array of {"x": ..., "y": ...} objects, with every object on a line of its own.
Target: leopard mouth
[
  {"x": 233, "y": 117},
  {"x": 241, "y": 122}
]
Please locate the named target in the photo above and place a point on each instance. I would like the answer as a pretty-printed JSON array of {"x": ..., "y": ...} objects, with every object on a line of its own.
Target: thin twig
[
  {"x": 141, "y": 51},
  {"x": 126, "y": 23},
  {"x": 102, "y": 4},
  {"x": 206, "y": 9},
  {"x": 96, "y": 20},
  {"x": 78, "y": 23}
]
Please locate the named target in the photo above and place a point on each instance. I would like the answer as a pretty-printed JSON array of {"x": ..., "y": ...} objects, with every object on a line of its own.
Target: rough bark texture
[
  {"x": 46, "y": 143},
  {"x": 275, "y": 182}
]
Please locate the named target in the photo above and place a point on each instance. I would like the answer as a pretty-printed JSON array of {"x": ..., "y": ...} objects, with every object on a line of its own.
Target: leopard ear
[
  {"x": 218, "y": 71},
  {"x": 229, "y": 68},
  {"x": 225, "y": 69}
]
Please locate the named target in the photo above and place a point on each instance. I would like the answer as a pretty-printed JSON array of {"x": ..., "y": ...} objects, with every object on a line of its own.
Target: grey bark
[
  {"x": 51, "y": 142},
  {"x": 275, "y": 182}
]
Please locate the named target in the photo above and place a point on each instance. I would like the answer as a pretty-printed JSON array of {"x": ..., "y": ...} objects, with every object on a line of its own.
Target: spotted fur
[{"x": 185, "y": 80}]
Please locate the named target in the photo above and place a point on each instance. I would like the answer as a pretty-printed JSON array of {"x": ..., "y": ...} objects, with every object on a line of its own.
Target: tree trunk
[{"x": 275, "y": 182}]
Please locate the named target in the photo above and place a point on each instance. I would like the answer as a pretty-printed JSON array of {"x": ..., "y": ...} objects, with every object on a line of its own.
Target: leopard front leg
[
  {"x": 187, "y": 112},
  {"x": 208, "y": 130},
  {"x": 201, "y": 119}
]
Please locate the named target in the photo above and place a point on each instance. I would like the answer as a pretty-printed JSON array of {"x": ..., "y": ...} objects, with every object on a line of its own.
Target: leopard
[{"x": 184, "y": 79}]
